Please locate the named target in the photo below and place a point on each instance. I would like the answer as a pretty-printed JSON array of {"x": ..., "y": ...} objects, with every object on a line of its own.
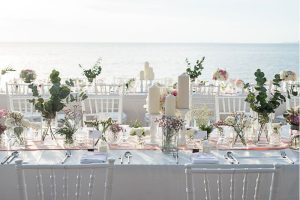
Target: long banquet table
[{"x": 154, "y": 175}]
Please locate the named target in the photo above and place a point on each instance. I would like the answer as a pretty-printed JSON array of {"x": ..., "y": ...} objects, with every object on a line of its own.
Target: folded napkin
[
  {"x": 204, "y": 158},
  {"x": 91, "y": 158}
]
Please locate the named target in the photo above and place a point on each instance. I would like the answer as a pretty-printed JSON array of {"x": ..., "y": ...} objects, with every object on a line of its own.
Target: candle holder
[
  {"x": 153, "y": 128},
  {"x": 182, "y": 140}
]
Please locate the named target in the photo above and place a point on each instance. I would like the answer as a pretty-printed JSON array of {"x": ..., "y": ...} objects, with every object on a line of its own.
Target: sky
[{"x": 238, "y": 21}]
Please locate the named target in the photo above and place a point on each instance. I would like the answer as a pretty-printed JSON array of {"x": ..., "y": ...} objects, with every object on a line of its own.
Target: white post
[{"x": 181, "y": 139}]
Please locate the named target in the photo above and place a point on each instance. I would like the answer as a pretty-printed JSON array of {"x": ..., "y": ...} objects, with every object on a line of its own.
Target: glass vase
[
  {"x": 294, "y": 137},
  {"x": 239, "y": 137},
  {"x": 169, "y": 140},
  {"x": 48, "y": 132},
  {"x": 262, "y": 128},
  {"x": 17, "y": 137}
]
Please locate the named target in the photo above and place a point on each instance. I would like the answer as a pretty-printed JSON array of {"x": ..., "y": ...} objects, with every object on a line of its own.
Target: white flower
[
  {"x": 230, "y": 121},
  {"x": 288, "y": 76},
  {"x": 276, "y": 127}
]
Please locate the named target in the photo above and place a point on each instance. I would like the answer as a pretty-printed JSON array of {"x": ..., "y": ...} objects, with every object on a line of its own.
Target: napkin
[
  {"x": 91, "y": 158},
  {"x": 204, "y": 158}
]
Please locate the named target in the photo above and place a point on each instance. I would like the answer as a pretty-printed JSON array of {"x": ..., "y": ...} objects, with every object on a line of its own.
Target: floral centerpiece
[
  {"x": 3, "y": 114},
  {"x": 239, "y": 83},
  {"x": 202, "y": 116},
  {"x": 137, "y": 130},
  {"x": 262, "y": 103},
  {"x": 114, "y": 132},
  {"x": 196, "y": 71},
  {"x": 51, "y": 106},
  {"x": 239, "y": 122},
  {"x": 292, "y": 117},
  {"x": 275, "y": 134},
  {"x": 170, "y": 128},
  {"x": 288, "y": 76},
  {"x": 28, "y": 75},
  {"x": 92, "y": 73},
  {"x": 220, "y": 75},
  {"x": 16, "y": 123}
]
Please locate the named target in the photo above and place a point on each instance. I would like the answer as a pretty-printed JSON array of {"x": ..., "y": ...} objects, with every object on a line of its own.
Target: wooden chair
[
  {"x": 104, "y": 106},
  {"x": 223, "y": 183},
  {"x": 64, "y": 182},
  {"x": 226, "y": 105}
]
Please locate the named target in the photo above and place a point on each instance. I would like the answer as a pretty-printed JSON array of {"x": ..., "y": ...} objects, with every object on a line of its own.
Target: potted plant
[
  {"x": 262, "y": 103},
  {"x": 51, "y": 106}
]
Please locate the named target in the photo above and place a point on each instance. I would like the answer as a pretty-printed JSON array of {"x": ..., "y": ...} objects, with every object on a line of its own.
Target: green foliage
[
  {"x": 105, "y": 124},
  {"x": 6, "y": 70},
  {"x": 135, "y": 124},
  {"x": 92, "y": 73},
  {"x": 68, "y": 130},
  {"x": 258, "y": 97},
  {"x": 129, "y": 83},
  {"x": 194, "y": 72},
  {"x": 58, "y": 93}
]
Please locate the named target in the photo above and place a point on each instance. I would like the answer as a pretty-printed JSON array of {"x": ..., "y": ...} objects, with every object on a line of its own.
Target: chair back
[
  {"x": 106, "y": 89},
  {"x": 237, "y": 183},
  {"x": 64, "y": 181},
  {"x": 206, "y": 89},
  {"x": 103, "y": 106},
  {"x": 293, "y": 102},
  {"x": 18, "y": 89},
  {"x": 226, "y": 105}
]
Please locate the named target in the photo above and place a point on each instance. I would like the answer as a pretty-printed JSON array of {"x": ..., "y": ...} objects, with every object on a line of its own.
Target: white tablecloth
[{"x": 155, "y": 176}]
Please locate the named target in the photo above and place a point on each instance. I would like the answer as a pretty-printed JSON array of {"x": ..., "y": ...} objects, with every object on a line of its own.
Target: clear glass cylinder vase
[{"x": 169, "y": 140}]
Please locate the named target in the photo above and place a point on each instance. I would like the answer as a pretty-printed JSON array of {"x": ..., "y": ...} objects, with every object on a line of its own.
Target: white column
[{"x": 183, "y": 92}]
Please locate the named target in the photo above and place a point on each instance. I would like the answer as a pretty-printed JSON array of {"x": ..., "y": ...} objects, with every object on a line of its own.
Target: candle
[
  {"x": 141, "y": 75},
  {"x": 154, "y": 99},
  {"x": 170, "y": 105},
  {"x": 151, "y": 73},
  {"x": 146, "y": 71},
  {"x": 183, "y": 91}
]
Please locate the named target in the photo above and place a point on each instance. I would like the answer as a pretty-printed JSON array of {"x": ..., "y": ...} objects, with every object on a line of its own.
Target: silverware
[
  {"x": 229, "y": 160},
  {"x": 68, "y": 155},
  {"x": 8, "y": 157},
  {"x": 231, "y": 156},
  {"x": 15, "y": 154},
  {"x": 283, "y": 155},
  {"x": 128, "y": 155},
  {"x": 121, "y": 158}
]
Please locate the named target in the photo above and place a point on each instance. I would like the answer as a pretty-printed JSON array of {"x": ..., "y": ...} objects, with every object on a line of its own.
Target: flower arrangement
[
  {"x": 276, "y": 128},
  {"x": 104, "y": 124},
  {"x": 137, "y": 130},
  {"x": 3, "y": 114},
  {"x": 6, "y": 70},
  {"x": 28, "y": 75},
  {"x": 292, "y": 117},
  {"x": 130, "y": 83},
  {"x": 202, "y": 116},
  {"x": 288, "y": 76},
  {"x": 220, "y": 75},
  {"x": 262, "y": 103},
  {"x": 239, "y": 83},
  {"x": 55, "y": 103},
  {"x": 239, "y": 122},
  {"x": 92, "y": 73},
  {"x": 115, "y": 129},
  {"x": 194, "y": 72}
]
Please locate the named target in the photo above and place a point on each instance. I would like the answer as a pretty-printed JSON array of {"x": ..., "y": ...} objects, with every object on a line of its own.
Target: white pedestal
[
  {"x": 153, "y": 128},
  {"x": 181, "y": 139}
]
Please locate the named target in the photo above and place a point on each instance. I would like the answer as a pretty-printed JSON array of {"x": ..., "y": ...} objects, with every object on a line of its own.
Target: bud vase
[{"x": 294, "y": 137}]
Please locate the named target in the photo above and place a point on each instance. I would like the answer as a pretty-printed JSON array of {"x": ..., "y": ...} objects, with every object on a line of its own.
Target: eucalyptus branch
[{"x": 194, "y": 72}]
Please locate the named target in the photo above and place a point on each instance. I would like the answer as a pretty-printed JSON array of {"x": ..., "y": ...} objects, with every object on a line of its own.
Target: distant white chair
[
  {"x": 63, "y": 181},
  {"x": 104, "y": 106},
  {"x": 106, "y": 89},
  {"x": 238, "y": 183},
  {"x": 294, "y": 101},
  {"x": 226, "y": 105},
  {"x": 22, "y": 89},
  {"x": 21, "y": 104},
  {"x": 206, "y": 89}
]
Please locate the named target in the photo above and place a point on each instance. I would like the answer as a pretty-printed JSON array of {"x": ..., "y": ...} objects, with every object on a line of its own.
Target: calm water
[{"x": 168, "y": 60}]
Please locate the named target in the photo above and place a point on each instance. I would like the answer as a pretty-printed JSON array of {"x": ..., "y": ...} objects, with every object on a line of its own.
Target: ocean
[{"x": 168, "y": 59}]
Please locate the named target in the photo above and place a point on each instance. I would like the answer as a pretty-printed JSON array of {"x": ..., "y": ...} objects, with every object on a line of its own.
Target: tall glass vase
[
  {"x": 48, "y": 131},
  {"x": 169, "y": 140},
  {"x": 262, "y": 128},
  {"x": 294, "y": 136}
]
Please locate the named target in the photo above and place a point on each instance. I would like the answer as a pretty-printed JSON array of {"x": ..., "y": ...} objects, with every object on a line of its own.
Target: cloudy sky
[{"x": 149, "y": 21}]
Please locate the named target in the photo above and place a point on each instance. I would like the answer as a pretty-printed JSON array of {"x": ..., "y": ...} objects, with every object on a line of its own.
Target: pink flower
[
  {"x": 174, "y": 93},
  {"x": 3, "y": 113}
]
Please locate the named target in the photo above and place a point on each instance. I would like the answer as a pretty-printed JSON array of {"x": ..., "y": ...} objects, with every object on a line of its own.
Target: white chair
[
  {"x": 294, "y": 101},
  {"x": 57, "y": 182},
  {"x": 226, "y": 105},
  {"x": 106, "y": 89},
  {"x": 21, "y": 104},
  {"x": 104, "y": 106},
  {"x": 18, "y": 89},
  {"x": 206, "y": 89},
  {"x": 238, "y": 183}
]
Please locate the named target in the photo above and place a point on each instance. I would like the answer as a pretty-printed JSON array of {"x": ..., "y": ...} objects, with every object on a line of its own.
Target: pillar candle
[
  {"x": 146, "y": 71},
  {"x": 154, "y": 99},
  {"x": 151, "y": 73},
  {"x": 183, "y": 91},
  {"x": 141, "y": 75},
  {"x": 170, "y": 105}
]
